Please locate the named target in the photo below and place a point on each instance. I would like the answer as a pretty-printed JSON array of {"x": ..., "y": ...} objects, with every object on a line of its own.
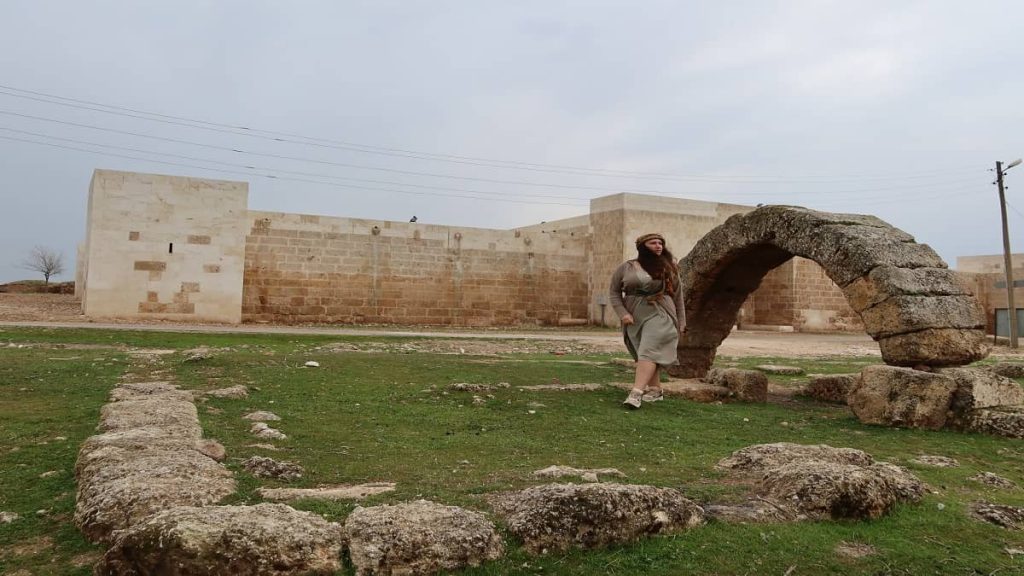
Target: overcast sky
[{"x": 472, "y": 113}]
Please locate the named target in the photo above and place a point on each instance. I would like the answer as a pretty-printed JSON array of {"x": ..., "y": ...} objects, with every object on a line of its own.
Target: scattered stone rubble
[
  {"x": 261, "y": 539},
  {"x": 832, "y": 388},
  {"x": 343, "y": 492},
  {"x": 795, "y": 482},
  {"x": 264, "y": 431},
  {"x": 743, "y": 385},
  {"x": 936, "y": 461},
  {"x": 263, "y": 467},
  {"x": 419, "y": 537},
  {"x": 236, "y": 392},
  {"x": 144, "y": 461},
  {"x": 585, "y": 474},
  {"x": 962, "y": 398},
  {"x": 995, "y": 480},
  {"x": 1010, "y": 517},
  {"x": 557, "y": 517}
]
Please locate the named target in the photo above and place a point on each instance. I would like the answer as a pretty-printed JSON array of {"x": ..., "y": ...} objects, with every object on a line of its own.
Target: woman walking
[{"x": 645, "y": 293}]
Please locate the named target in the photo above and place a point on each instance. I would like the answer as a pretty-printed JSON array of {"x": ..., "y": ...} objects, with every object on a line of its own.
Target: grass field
[{"x": 387, "y": 416}]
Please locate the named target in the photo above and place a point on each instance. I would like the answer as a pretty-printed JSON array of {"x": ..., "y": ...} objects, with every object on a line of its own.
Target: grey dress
[{"x": 657, "y": 319}]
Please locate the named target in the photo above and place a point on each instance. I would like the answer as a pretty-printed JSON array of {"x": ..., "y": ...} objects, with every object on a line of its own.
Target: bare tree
[{"x": 45, "y": 261}]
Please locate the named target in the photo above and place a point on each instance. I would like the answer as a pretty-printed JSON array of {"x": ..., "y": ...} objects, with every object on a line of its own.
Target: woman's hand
[{"x": 627, "y": 319}]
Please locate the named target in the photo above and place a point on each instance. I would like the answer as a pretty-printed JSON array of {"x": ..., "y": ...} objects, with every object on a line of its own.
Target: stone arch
[{"x": 910, "y": 302}]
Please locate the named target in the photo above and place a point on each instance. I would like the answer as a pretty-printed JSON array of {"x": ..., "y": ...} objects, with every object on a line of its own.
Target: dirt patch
[
  {"x": 39, "y": 307},
  {"x": 31, "y": 547},
  {"x": 854, "y": 550},
  {"x": 87, "y": 559}
]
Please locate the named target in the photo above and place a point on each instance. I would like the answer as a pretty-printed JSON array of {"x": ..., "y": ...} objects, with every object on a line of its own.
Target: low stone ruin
[
  {"x": 832, "y": 388},
  {"x": 817, "y": 482},
  {"x": 259, "y": 539},
  {"x": 419, "y": 537},
  {"x": 145, "y": 461},
  {"x": 557, "y": 517},
  {"x": 964, "y": 398}
]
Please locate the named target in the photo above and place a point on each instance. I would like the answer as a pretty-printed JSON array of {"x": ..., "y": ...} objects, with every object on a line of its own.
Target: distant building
[{"x": 190, "y": 249}]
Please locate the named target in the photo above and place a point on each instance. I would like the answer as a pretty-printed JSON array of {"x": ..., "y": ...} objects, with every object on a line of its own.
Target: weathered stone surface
[
  {"x": 235, "y": 392},
  {"x": 901, "y": 287},
  {"x": 906, "y": 314},
  {"x": 263, "y": 467},
  {"x": 556, "y": 471},
  {"x": 935, "y": 347},
  {"x": 830, "y": 387},
  {"x": 344, "y": 492},
  {"x": 894, "y": 396},
  {"x": 176, "y": 417},
  {"x": 992, "y": 479},
  {"x": 781, "y": 370},
  {"x": 761, "y": 457},
  {"x": 211, "y": 448},
  {"x": 557, "y": 517},
  {"x": 1007, "y": 369},
  {"x": 136, "y": 390},
  {"x": 265, "y": 539},
  {"x": 978, "y": 388},
  {"x": 419, "y": 538},
  {"x": 150, "y": 437},
  {"x": 118, "y": 487},
  {"x": 1006, "y": 421},
  {"x": 824, "y": 490},
  {"x": 697, "y": 391},
  {"x": 263, "y": 430},
  {"x": 1010, "y": 517},
  {"x": 743, "y": 385},
  {"x": 261, "y": 416},
  {"x": 936, "y": 461},
  {"x": 884, "y": 282},
  {"x": 752, "y": 511}
]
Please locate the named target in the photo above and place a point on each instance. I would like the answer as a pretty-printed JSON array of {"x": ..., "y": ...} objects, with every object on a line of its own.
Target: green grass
[{"x": 388, "y": 417}]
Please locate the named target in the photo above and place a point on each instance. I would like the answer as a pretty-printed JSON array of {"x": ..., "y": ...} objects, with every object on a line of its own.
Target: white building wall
[{"x": 164, "y": 247}]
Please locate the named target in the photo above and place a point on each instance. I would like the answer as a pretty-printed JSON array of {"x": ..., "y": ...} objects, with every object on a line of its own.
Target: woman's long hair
[{"x": 662, "y": 267}]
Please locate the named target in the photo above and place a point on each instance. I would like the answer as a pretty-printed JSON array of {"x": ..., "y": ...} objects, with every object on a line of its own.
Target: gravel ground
[{"x": 65, "y": 310}]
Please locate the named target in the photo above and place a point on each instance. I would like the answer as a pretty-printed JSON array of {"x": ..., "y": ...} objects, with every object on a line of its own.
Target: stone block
[{"x": 893, "y": 396}]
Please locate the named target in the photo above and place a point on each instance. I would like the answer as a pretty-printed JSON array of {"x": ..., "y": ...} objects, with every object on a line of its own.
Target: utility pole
[{"x": 1007, "y": 261}]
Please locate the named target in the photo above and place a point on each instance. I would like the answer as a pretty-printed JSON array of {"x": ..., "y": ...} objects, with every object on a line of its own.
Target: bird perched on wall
[{"x": 413, "y": 219}]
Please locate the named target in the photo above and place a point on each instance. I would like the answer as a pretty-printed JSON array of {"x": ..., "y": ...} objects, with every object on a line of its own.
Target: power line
[
  {"x": 860, "y": 197},
  {"x": 450, "y": 176},
  {"x": 274, "y": 177},
  {"x": 398, "y": 152}
]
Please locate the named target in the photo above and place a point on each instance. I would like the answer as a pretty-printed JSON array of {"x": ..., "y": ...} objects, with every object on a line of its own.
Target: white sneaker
[
  {"x": 656, "y": 395},
  {"x": 634, "y": 400}
]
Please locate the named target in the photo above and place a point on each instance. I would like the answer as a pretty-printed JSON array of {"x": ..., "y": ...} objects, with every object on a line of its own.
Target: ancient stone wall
[
  {"x": 772, "y": 303},
  {"x": 818, "y": 303},
  {"x": 163, "y": 247},
  {"x": 617, "y": 220},
  {"x": 302, "y": 268}
]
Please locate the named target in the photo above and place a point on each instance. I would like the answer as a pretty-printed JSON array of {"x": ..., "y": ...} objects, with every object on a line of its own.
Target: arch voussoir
[{"x": 910, "y": 302}]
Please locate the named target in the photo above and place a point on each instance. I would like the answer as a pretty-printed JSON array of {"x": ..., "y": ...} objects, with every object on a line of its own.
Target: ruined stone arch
[{"x": 910, "y": 302}]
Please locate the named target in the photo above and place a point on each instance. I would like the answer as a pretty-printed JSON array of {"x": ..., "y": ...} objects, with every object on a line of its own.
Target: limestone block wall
[
  {"x": 772, "y": 304},
  {"x": 167, "y": 247},
  {"x": 818, "y": 303},
  {"x": 316, "y": 269},
  {"x": 617, "y": 220}
]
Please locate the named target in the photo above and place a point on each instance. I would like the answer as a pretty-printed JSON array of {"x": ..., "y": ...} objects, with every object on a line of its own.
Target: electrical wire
[{"x": 403, "y": 153}]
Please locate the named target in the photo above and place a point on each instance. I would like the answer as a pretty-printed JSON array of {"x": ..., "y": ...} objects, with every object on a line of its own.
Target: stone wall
[
  {"x": 818, "y": 303},
  {"x": 163, "y": 247},
  {"x": 188, "y": 249},
  {"x": 301, "y": 268},
  {"x": 617, "y": 220}
]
